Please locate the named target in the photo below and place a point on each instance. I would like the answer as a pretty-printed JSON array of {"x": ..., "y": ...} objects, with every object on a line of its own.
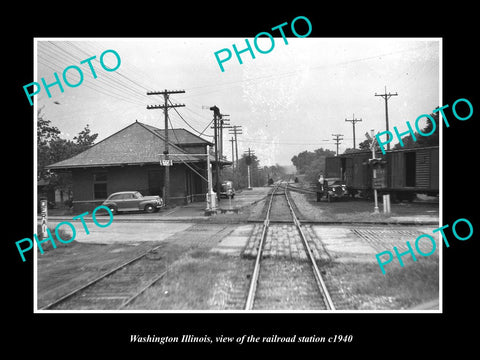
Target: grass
[
  {"x": 47, "y": 245},
  {"x": 366, "y": 288},
  {"x": 192, "y": 283}
]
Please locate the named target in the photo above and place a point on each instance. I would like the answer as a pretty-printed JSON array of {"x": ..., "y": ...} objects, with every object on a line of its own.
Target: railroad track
[
  {"x": 116, "y": 288},
  {"x": 278, "y": 283}
]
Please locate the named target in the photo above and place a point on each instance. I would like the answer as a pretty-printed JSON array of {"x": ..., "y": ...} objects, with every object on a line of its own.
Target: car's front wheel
[{"x": 149, "y": 208}]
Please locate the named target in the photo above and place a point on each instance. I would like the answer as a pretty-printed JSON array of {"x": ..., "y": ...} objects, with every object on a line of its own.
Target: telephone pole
[
  {"x": 232, "y": 140},
  {"x": 216, "y": 117},
  {"x": 353, "y": 121},
  {"x": 248, "y": 161},
  {"x": 222, "y": 123},
  {"x": 235, "y": 130},
  {"x": 337, "y": 139},
  {"x": 386, "y": 96},
  {"x": 165, "y": 107}
]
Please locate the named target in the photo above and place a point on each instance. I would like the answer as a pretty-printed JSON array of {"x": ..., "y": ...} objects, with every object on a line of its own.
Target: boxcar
[{"x": 407, "y": 172}]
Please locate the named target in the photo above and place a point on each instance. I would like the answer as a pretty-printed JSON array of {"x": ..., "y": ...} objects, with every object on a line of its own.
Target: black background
[{"x": 378, "y": 334}]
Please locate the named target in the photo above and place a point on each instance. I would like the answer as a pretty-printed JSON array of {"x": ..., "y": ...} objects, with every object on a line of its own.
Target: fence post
[{"x": 386, "y": 204}]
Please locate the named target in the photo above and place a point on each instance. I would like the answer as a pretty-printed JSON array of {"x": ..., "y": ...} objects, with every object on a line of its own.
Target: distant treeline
[
  {"x": 259, "y": 175},
  {"x": 310, "y": 163}
]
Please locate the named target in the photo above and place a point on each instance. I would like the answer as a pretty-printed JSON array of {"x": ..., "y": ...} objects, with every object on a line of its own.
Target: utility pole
[
  {"x": 249, "y": 162},
  {"x": 353, "y": 121},
  {"x": 337, "y": 139},
  {"x": 220, "y": 128},
  {"x": 234, "y": 174},
  {"x": 165, "y": 107},
  {"x": 211, "y": 199},
  {"x": 386, "y": 96},
  {"x": 222, "y": 123},
  {"x": 216, "y": 117},
  {"x": 232, "y": 140},
  {"x": 235, "y": 130}
]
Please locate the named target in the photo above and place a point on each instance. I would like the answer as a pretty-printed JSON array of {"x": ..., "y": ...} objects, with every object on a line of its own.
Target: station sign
[
  {"x": 380, "y": 181},
  {"x": 379, "y": 178},
  {"x": 166, "y": 162},
  {"x": 44, "y": 214}
]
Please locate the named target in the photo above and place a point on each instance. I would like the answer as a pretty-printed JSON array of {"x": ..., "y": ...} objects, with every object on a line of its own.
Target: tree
[
  {"x": 46, "y": 134},
  {"x": 367, "y": 145},
  {"x": 242, "y": 171},
  {"x": 311, "y": 163},
  {"x": 274, "y": 172},
  {"x": 51, "y": 148},
  {"x": 351, "y": 150},
  {"x": 302, "y": 161},
  {"x": 84, "y": 140},
  {"x": 422, "y": 141}
]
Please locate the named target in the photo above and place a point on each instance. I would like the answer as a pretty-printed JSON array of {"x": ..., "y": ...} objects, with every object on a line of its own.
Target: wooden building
[{"x": 130, "y": 160}]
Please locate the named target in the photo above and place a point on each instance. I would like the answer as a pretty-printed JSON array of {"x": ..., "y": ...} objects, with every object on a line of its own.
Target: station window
[{"x": 100, "y": 185}]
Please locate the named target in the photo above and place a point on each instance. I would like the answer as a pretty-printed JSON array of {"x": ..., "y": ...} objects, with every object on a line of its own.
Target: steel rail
[
  {"x": 316, "y": 272},
  {"x": 103, "y": 276},
  {"x": 150, "y": 283},
  {"x": 256, "y": 270}
]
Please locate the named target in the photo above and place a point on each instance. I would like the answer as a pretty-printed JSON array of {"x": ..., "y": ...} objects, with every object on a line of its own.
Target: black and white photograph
[
  {"x": 263, "y": 188},
  {"x": 273, "y": 186}
]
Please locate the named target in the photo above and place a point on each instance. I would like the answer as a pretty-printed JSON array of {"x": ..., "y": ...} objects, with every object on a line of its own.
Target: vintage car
[
  {"x": 332, "y": 188},
  {"x": 227, "y": 190},
  {"x": 132, "y": 201}
]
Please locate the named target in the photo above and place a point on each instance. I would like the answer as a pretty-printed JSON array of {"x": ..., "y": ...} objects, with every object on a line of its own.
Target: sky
[{"x": 287, "y": 101}]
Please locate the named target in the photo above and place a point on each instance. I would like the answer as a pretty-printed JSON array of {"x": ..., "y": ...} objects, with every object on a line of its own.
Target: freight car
[{"x": 405, "y": 172}]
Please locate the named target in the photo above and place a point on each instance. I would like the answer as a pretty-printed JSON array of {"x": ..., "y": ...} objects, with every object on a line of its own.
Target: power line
[
  {"x": 106, "y": 91},
  {"x": 276, "y": 142},
  {"x": 294, "y": 72},
  {"x": 114, "y": 80},
  {"x": 136, "y": 72},
  {"x": 192, "y": 167},
  {"x": 116, "y": 73},
  {"x": 186, "y": 122},
  {"x": 95, "y": 83}
]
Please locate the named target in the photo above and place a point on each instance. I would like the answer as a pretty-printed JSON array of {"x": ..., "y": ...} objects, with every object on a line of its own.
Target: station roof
[{"x": 136, "y": 144}]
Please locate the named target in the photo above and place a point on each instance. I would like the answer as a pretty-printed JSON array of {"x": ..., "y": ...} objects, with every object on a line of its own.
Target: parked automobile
[
  {"x": 336, "y": 189},
  {"x": 332, "y": 188},
  {"x": 133, "y": 201},
  {"x": 227, "y": 190}
]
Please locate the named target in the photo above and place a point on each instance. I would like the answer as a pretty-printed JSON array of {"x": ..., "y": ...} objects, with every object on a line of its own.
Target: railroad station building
[{"x": 130, "y": 160}]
